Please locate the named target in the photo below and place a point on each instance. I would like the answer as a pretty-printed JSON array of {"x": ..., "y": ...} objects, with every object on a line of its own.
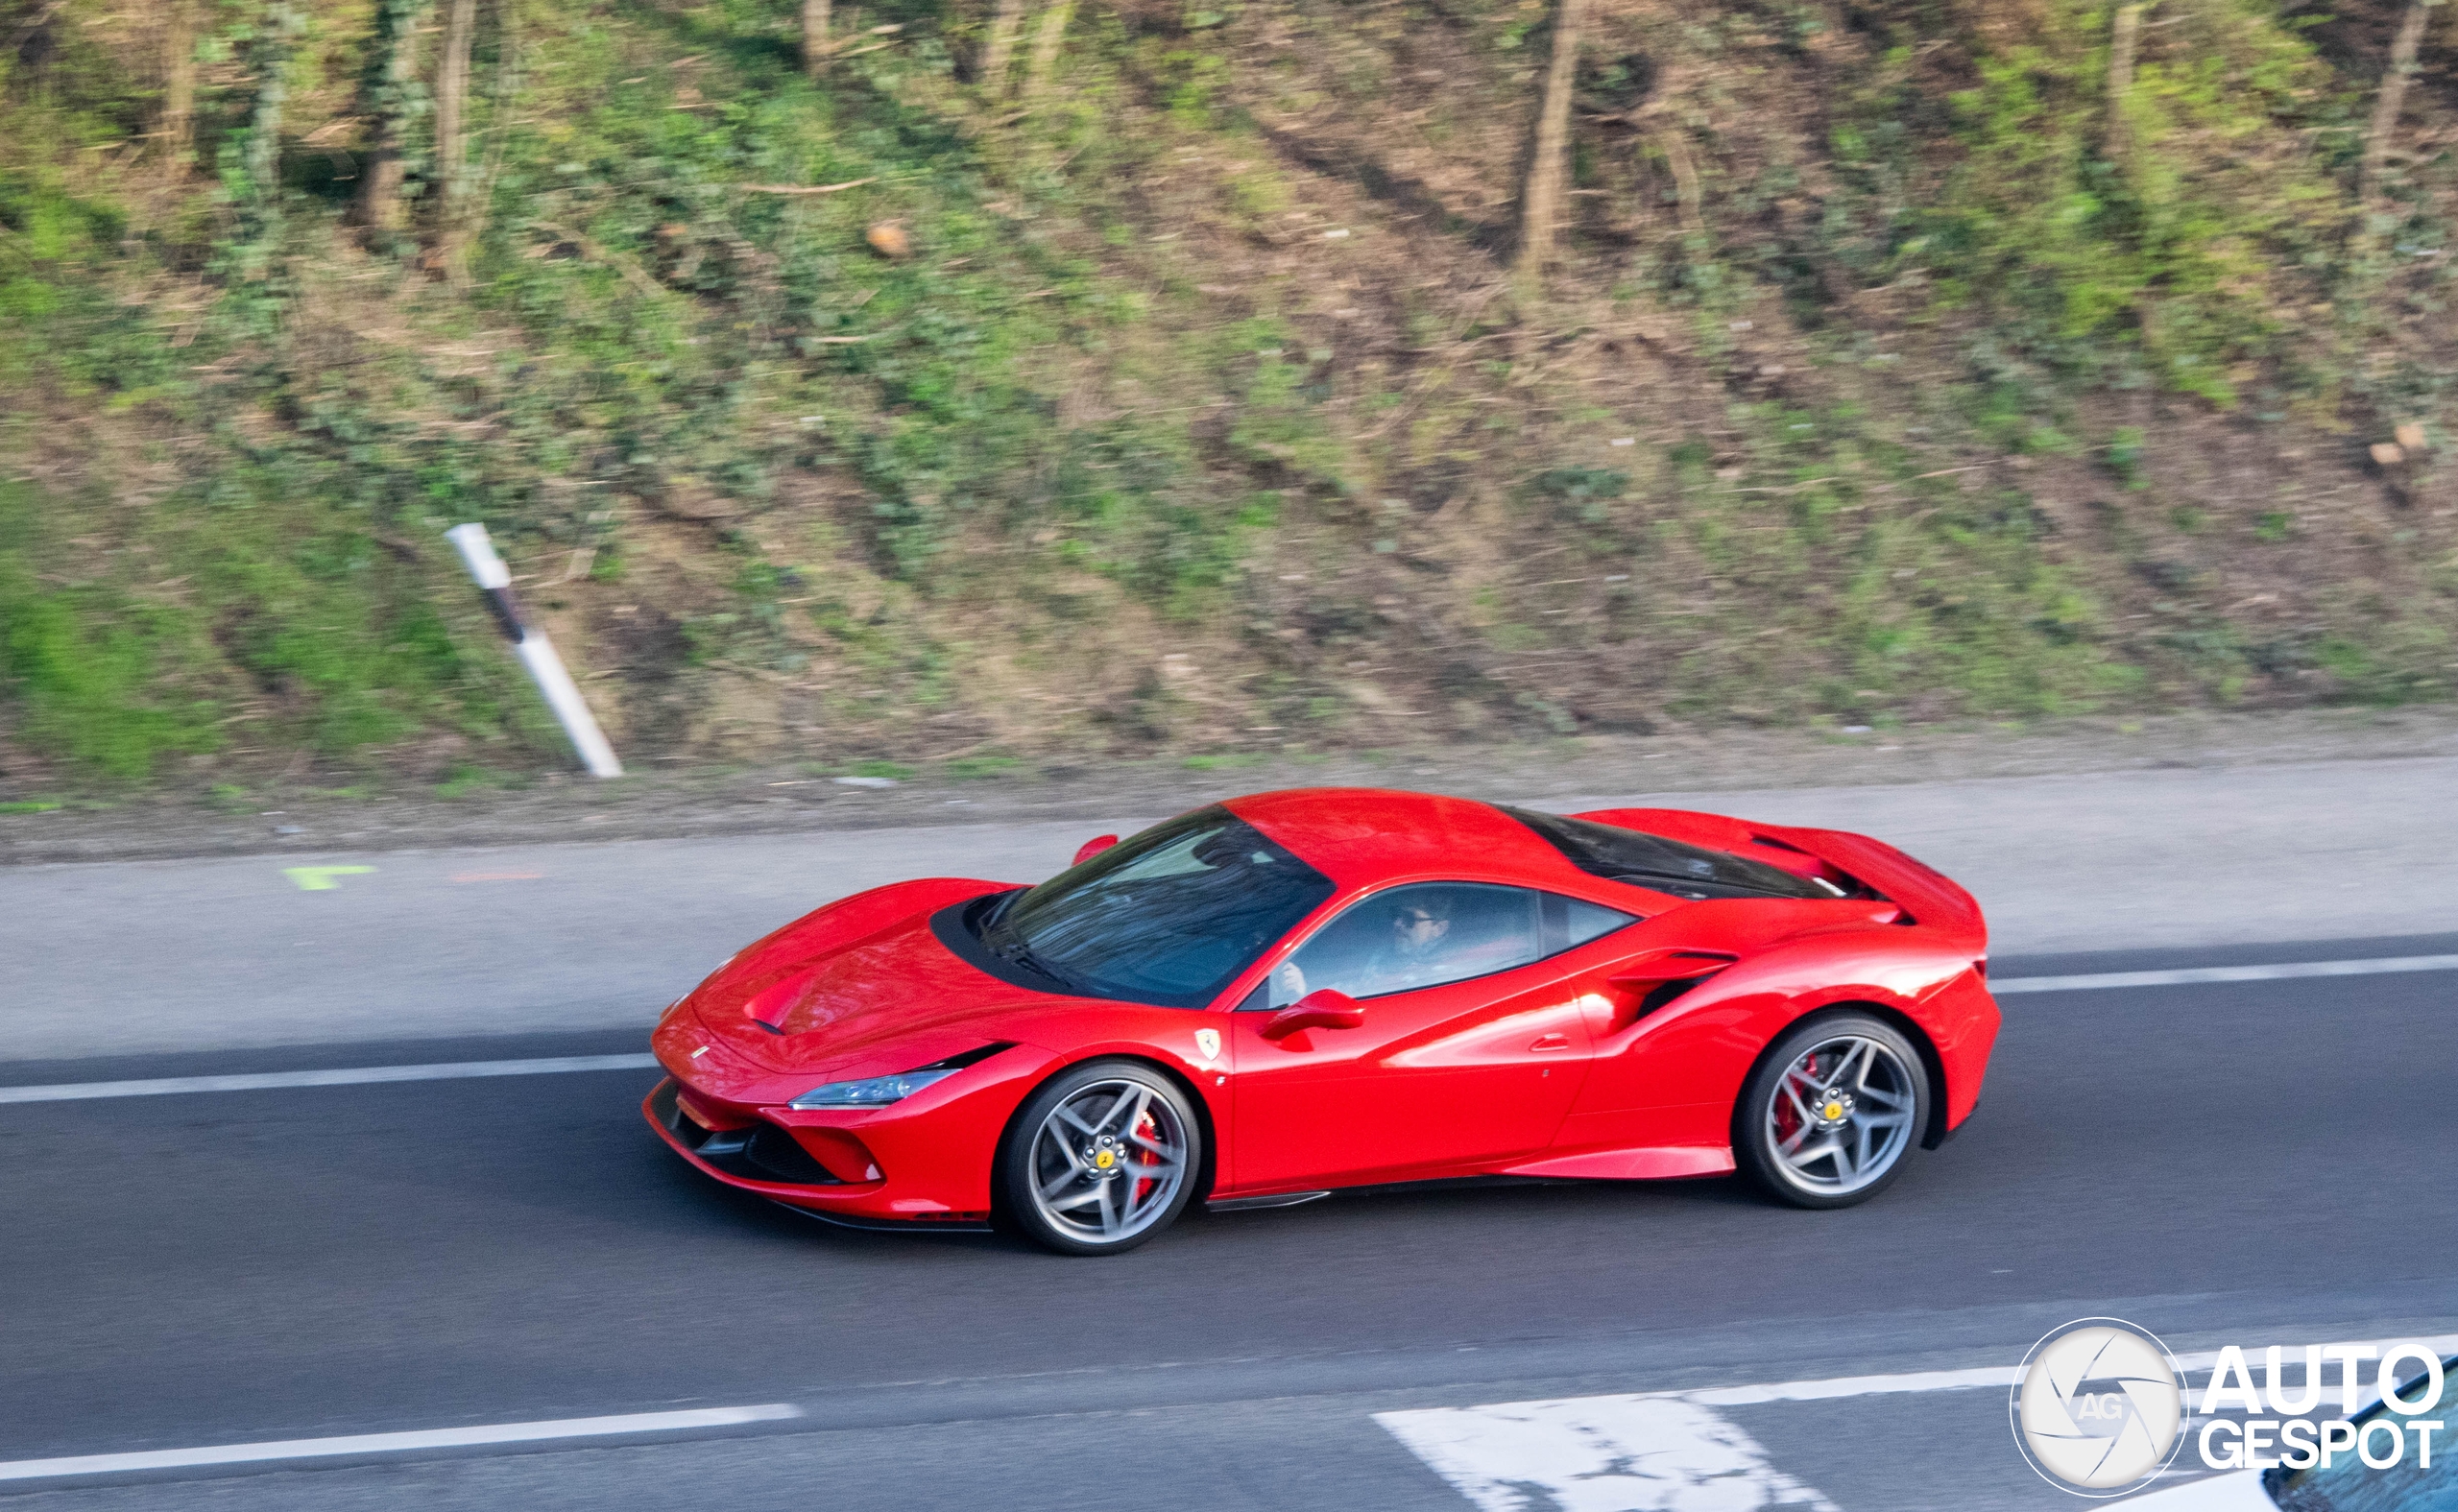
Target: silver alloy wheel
[
  {"x": 1841, "y": 1116},
  {"x": 1107, "y": 1163}
]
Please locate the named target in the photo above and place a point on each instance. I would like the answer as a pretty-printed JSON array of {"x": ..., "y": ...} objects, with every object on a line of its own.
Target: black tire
[
  {"x": 1833, "y": 1162},
  {"x": 1077, "y": 1216}
]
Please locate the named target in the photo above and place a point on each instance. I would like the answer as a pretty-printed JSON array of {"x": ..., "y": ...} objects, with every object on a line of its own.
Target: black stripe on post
[{"x": 507, "y": 612}]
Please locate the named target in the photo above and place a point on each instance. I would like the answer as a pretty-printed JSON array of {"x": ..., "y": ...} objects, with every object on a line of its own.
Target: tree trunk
[
  {"x": 1541, "y": 206},
  {"x": 2393, "y": 97},
  {"x": 393, "y": 101},
  {"x": 1044, "y": 63},
  {"x": 479, "y": 190},
  {"x": 260, "y": 156},
  {"x": 815, "y": 38},
  {"x": 178, "y": 83},
  {"x": 451, "y": 102},
  {"x": 1685, "y": 181},
  {"x": 1006, "y": 20},
  {"x": 2125, "y": 34}
]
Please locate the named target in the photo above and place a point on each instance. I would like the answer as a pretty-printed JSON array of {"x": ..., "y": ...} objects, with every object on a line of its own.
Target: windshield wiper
[
  {"x": 1014, "y": 950},
  {"x": 1022, "y": 954}
]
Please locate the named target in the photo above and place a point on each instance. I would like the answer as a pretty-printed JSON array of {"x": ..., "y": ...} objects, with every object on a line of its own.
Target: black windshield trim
[{"x": 958, "y": 927}]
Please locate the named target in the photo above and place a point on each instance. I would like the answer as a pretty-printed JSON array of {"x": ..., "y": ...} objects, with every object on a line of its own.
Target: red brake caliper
[
  {"x": 1145, "y": 1128},
  {"x": 1787, "y": 1117}
]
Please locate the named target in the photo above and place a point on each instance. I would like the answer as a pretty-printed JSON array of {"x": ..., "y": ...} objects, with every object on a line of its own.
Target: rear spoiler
[{"x": 1926, "y": 896}]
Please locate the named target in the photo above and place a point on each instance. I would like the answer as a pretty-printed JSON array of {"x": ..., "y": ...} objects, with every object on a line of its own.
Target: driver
[
  {"x": 1420, "y": 922},
  {"x": 1404, "y": 956}
]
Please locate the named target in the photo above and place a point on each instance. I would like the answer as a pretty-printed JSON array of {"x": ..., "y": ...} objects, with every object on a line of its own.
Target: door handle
[{"x": 1551, "y": 1042}]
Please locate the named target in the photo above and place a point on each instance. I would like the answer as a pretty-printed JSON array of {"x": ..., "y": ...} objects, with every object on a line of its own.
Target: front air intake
[{"x": 759, "y": 1152}]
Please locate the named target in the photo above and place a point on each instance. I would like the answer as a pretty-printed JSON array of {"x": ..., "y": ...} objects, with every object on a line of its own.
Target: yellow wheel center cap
[
  {"x": 1833, "y": 1110},
  {"x": 1105, "y": 1160}
]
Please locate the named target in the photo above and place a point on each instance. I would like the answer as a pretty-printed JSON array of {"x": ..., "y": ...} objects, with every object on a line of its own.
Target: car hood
[{"x": 873, "y": 981}]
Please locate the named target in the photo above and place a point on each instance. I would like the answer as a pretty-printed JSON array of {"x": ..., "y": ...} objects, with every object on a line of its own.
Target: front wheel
[
  {"x": 1101, "y": 1159},
  {"x": 1828, "y": 1117}
]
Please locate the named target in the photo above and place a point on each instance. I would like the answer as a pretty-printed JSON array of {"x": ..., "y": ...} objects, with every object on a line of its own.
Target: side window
[
  {"x": 1580, "y": 922},
  {"x": 1412, "y": 937},
  {"x": 1431, "y": 933}
]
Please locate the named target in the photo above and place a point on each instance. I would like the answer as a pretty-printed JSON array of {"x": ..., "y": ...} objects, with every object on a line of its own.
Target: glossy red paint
[{"x": 1619, "y": 1059}]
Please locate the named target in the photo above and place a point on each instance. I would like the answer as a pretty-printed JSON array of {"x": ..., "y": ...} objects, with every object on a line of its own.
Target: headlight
[{"x": 875, "y": 1093}]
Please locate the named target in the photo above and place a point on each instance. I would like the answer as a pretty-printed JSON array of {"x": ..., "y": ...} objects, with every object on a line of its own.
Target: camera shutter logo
[{"x": 2098, "y": 1407}]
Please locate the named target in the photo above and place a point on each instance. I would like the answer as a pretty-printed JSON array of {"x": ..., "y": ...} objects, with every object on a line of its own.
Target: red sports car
[{"x": 1264, "y": 1000}]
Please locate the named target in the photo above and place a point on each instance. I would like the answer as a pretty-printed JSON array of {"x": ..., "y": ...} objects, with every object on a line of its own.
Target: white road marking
[
  {"x": 2226, "y": 974},
  {"x": 79, "y": 1091},
  {"x": 1850, "y": 1387},
  {"x": 450, "y": 1070},
  {"x": 1633, "y": 1453},
  {"x": 1668, "y": 1450},
  {"x": 394, "y": 1443}
]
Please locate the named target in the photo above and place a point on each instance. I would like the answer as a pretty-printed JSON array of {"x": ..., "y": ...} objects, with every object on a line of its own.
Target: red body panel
[
  {"x": 1550, "y": 1070},
  {"x": 1448, "y": 1079}
]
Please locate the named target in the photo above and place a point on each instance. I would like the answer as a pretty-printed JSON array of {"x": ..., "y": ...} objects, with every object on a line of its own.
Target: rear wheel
[
  {"x": 1827, "y": 1119},
  {"x": 1101, "y": 1159}
]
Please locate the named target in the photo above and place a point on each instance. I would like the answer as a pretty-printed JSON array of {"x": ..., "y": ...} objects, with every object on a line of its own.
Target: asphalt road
[
  {"x": 134, "y": 957},
  {"x": 2239, "y": 1161},
  {"x": 2250, "y": 1163}
]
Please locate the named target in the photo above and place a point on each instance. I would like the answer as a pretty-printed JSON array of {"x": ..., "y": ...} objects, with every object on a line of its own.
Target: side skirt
[
  {"x": 1291, "y": 1199},
  {"x": 1651, "y": 1162},
  {"x": 1283, "y": 1199},
  {"x": 885, "y": 1225}
]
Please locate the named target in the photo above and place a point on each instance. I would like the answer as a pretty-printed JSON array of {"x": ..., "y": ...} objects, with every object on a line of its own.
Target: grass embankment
[{"x": 1169, "y": 393}]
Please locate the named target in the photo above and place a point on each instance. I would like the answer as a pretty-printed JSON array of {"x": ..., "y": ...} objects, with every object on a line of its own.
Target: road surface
[{"x": 2250, "y": 1162}]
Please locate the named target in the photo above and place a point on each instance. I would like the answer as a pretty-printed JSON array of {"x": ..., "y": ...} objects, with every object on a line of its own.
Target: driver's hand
[{"x": 1288, "y": 984}]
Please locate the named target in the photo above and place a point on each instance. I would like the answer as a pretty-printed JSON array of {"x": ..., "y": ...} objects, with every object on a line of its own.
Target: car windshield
[
  {"x": 2347, "y": 1484},
  {"x": 1667, "y": 865},
  {"x": 1169, "y": 917}
]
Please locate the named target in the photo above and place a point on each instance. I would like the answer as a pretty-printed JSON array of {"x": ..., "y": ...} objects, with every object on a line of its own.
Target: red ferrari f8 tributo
[{"x": 1269, "y": 999}]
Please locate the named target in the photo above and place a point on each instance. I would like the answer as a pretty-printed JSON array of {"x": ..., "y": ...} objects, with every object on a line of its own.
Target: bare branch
[
  {"x": 1541, "y": 205},
  {"x": 2393, "y": 97},
  {"x": 815, "y": 188}
]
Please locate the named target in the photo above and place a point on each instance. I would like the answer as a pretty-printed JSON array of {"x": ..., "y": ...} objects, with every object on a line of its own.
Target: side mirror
[
  {"x": 1093, "y": 847},
  {"x": 1326, "y": 1008}
]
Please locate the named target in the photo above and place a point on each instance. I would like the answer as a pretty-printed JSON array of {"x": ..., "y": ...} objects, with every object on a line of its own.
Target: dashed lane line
[
  {"x": 394, "y": 1443},
  {"x": 81, "y": 1092},
  {"x": 443, "y": 1071},
  {"x": 2193, "y": 975}
]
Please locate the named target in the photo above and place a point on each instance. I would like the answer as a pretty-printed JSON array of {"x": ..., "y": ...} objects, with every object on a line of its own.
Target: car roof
[{"x": 1359, "y": 835}]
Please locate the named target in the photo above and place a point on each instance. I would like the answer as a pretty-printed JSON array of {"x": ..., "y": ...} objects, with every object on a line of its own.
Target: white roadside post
[{"x": 537, "y": 653}]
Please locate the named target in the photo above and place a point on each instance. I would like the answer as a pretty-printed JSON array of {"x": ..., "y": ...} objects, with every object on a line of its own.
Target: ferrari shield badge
[{"x": 1207, "y": 1043}]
